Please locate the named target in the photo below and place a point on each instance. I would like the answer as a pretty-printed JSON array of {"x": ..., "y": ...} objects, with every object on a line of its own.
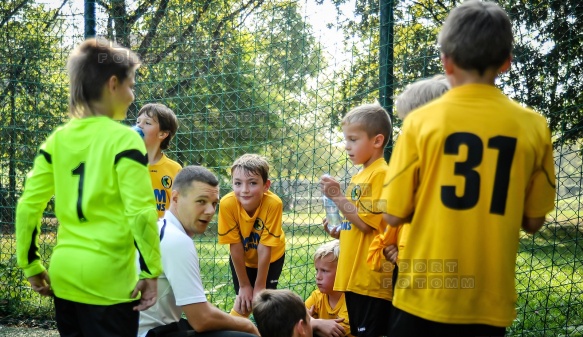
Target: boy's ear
[
  {"x": 266, "y": 186},
  {"x": 112, "y": 83},
  {"x": 163, "y": 134},
  {"x": 447, "y": 64},
  {"x": 300, "y": 329},
  {"x": 378, "y": 140},
  {"x": 506, "y": 65}
]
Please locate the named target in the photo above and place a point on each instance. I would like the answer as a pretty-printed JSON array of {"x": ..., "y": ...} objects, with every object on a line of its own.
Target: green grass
[{"x": 549, "y": 276}]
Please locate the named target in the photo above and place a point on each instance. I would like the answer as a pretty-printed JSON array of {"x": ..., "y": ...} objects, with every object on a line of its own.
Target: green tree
[
  {"x": 547, "y": 68},
  {"x": 32, "y": 97},
  {"x": 228, "y": 69}
]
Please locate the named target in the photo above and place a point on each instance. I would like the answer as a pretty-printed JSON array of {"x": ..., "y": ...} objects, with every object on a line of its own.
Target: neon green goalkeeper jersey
[{"x": 97, "y": 170}]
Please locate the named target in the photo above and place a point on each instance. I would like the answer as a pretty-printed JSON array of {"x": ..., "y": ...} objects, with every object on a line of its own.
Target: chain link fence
[{"x": 275, "y": 77}]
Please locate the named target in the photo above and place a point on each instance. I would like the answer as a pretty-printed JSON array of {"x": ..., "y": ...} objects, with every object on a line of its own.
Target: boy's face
[
  {"x": 195, "y": 206},
  {"x": 249, "y": 188},
  {"x": 151, "y": 128},
  {"x": 325, "y": 273},
  {"x": 359, "y": 147},
  {"x": 122, "y": 95}
]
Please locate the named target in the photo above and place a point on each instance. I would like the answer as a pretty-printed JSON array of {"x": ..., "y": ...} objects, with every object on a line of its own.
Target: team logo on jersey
[
  {"x": 356, "y": 193},
  {"x": 258, "y": 225},
  {"x": 166, "y": 181}
]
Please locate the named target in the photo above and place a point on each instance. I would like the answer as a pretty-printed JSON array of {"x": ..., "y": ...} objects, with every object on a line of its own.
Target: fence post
[
  {"x": 386, "y": 63},
  {"x": 89, "y": 18}
]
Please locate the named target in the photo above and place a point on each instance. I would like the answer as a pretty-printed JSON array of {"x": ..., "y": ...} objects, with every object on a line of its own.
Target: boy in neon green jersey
[{"x": 96, "y": 169}]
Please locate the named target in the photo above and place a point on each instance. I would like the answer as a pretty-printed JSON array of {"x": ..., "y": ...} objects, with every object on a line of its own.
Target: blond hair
[
  {"x": 329, "y": 248},
  {"x": 372, "y": 118},
  {"x": 252, "y": 163},
  {"x": 420, "y": 93},
  {"x": 90, "y": 66}
]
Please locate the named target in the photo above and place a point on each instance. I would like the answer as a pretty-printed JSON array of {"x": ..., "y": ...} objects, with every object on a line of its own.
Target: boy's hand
[
  {"x": 335, "y": 233},
  {"x": 149, "y": 291},
  {"x": 244, "y": 301},
  {"x": 311, "y": 311},
  {"x": 391, "y": 253},
  {"x": 328, "y": 327},
  {"x": 41, "y": 283},
  {"x": 330, "y": 187}
]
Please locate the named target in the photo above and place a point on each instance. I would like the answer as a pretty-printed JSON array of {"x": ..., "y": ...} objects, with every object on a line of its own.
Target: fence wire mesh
[{"x": 275, "y": 77}]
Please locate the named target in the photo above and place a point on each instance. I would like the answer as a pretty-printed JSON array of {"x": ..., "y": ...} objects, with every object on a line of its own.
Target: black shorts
[
  {"x": 404, "y": 324},
  {"x": 273, "y": 274},
  {"x": 369, "y": 316},
  {"x": 87, "y": 320}
]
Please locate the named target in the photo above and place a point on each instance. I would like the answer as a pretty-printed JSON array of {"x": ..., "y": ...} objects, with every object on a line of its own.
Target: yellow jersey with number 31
[{"x": 468, "y": 166}]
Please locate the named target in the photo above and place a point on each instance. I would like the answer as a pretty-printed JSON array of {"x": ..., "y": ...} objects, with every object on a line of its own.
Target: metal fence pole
[
  {"x": 386, "y": 63},
  {"x": 89, "y": 18}
]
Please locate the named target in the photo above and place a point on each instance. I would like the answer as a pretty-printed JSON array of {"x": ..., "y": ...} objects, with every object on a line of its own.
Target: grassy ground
[{"x": 549, "y": 277}]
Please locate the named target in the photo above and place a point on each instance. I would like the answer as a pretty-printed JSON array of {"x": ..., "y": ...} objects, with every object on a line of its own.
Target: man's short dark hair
[{"x": 192, "y": 173}]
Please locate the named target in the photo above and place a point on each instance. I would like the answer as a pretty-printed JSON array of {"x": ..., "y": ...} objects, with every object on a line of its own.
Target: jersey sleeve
[
  {"x": 376, "y": 259},
  {"x": 541, "y": 193},
  {"x": 401, "y": 180},
  {"x": 371, "y": 203},
  {"x": 312, "y": 301},
  {"x": 38, "y": 190},
  {"x": 228, "y": 228},
  {"x": 139, "y": 207},
  {"x": 271, "y": 235}
]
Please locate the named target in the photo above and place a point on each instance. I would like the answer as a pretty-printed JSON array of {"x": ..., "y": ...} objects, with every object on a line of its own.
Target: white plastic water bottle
[{"x": 332, "y": 214}]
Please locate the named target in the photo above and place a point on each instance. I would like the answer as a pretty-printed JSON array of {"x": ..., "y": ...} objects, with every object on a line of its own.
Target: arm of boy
[
  {"x": 38, "y": 190},
  {"x": 263, "y": 260},
  {"x": 324, "y": 327},
  {"x": 331, "y": 188},
  {"x": 149, "y": 291},
  {"x": 328, "y": 327},
  {"x": 395, "y": 221},
  {"x": 41, "y": 283},
  {"x": 206, "y": 317},
  {"x": 244, "y": 301},
  {"x": 532, "y": 225}
]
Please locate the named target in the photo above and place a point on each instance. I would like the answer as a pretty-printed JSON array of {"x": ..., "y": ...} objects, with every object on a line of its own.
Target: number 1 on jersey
[{"x": 80, "y": 171}]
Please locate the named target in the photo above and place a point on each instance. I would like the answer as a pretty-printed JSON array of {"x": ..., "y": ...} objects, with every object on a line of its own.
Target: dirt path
[{"x": 27, "y": 332}]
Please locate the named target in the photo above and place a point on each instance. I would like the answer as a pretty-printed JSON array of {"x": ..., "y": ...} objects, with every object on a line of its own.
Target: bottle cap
[{"x": 138, "y": 130}]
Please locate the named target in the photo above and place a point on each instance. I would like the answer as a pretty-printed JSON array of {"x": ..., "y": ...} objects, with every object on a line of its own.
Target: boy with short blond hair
[
  {"x": 420, "y": 93},
  {"x": 250, "y": 221},
  {"x": 367, "y": 130},
  {"x": 103, "y": 201},
  {"x": 326, "y": 306},
  {"x": 158, "y": 125},
  {"x": 469, "y": 169}
]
